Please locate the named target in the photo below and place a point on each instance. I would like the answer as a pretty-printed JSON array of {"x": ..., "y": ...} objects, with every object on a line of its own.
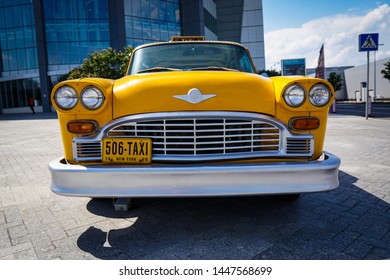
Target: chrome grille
[
  {"x": 88, "y": 150},
  {"x": 298, "y": 146},
  {"x": 203, "y": 136}
]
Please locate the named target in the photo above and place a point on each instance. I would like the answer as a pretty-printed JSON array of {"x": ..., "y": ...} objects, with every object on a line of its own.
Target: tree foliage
[
  {"x": 108, "y": 63},
  {"x": 386, "y": 72},
  {"x": 336, "y": 81},
  {"x": 270, "y": 73}
]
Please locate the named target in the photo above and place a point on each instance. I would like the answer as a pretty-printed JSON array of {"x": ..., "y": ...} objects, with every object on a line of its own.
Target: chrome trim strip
[{"x": 194, "y": 180}]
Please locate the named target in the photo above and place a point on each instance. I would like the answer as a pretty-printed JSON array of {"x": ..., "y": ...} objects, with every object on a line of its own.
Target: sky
[{"x": 298, "y": 28}]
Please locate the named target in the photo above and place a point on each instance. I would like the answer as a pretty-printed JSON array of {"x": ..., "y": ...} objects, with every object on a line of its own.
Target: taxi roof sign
[{"x": 186, "y": 38}]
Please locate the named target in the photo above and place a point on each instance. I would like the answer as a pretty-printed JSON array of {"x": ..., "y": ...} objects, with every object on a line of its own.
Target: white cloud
[{"x": 340, "y": 35}]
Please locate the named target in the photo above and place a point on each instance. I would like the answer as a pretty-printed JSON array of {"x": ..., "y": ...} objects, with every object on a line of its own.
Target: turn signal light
[
  {"x": 82, "y": 127},
  {"x": 304, "y": 123}
]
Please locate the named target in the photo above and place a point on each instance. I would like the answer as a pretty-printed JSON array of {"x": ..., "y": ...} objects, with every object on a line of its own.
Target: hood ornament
[{"x": 194, "y": 96}]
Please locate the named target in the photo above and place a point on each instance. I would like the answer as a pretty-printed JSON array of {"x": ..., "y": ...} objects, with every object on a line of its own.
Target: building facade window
[
  {"x": 149, "y": 21},
  {"x": 19, "y": 57},
  {"x": 17, "y": 38},
  {"x": 15, "y": 93},
  {"x": 75, "y": 28}
]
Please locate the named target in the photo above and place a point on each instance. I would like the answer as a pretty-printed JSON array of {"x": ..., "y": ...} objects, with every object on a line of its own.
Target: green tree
[
  {"x": 386, "y": 71},
  {"x": 270, "y": 73},
  {"x": 108, "y": 63},
  {"x": 336, "y": 81}
]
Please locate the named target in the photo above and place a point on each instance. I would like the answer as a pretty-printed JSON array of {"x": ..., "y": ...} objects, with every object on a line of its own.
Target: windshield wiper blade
[
  {"x": 158, "y": 69},
  {"x": 214, "y": 68}
]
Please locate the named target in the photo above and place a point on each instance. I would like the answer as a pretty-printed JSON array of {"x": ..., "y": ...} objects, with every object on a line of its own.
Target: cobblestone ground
[{"x": 351, "y": 222}]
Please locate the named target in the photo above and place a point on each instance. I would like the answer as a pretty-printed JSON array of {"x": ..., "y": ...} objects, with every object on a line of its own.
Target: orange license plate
[{"x": 127, "y": 150}]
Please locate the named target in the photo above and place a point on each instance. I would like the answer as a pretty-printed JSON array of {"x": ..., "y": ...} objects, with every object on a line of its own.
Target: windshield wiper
[
  {"x": 158, "y": 69},
  {"x": 214, "y": 68}
]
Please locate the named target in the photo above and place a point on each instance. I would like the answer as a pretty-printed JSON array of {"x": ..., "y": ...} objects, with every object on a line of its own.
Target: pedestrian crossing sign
[{"x": 368, "y": 42}]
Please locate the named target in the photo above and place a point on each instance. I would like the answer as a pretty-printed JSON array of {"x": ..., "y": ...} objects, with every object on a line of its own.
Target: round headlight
[
  {"x": 66, "y": 97},
  {"x": 294, "y": 95},
  {"x": 92, "y": 98},
  {"x": 319, "y": 95}
]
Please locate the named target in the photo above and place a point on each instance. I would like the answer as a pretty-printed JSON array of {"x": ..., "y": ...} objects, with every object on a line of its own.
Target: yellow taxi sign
[{"x": 186, "y": 38}]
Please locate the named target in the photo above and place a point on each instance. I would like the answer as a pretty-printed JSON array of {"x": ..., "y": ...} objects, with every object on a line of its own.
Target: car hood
[{"x": 193, "y": 91}]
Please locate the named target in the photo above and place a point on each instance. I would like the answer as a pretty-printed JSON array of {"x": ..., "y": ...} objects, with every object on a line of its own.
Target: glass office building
[{"x": 42, "y": 40}]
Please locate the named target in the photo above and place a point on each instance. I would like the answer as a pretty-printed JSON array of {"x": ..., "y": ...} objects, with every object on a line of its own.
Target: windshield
[{"x": 190, "y": 57}]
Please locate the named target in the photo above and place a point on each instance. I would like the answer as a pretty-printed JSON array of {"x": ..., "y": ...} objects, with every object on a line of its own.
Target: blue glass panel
[
  {"x": 34, "y": 38},
  {"x": 17, "y": 14},
  {"x": 8, "y": 15},
  {"x": 155, "y": 31},
  {"x": 128, "y": 8},
  {"x": 28, "y": 37},
  {"x": 147, "y": 30},
  {"x": 30, "y": 58},
  {"x": 77, "y": 54},
  {"x": 7, "y": 2},
  {"x": 19, "y": 36},
  {"x": 3, "y": 39},
  {"x": 52, "y": 53},
  {"x": 48, "y": 9},
  {"x": 11, "y": 39},
  {"x": 2, "y": 19},
  {"x": 129, "y": 42},
  {"x": 177, "y": 13},
  {"x": 13, "y": 60},
  {"x": 5, "y": 60},
  {"x": 164, "y": 31},
  {"x": 138, "y": 42},
  {"x": 163, "y": 11},
  {"x": 21, "y": 59},
  {"x": 154, "y": 9},
  {"x": 171, "y": 12},
  {"x": 27, "y": 15},
  {"x": 104, "y": 31},
  {"x": 145, "y": 8},
  {"x": 129, "y": 26},
  {"x": 137, "y": 25},
  {"x": 136, "y": 7}
]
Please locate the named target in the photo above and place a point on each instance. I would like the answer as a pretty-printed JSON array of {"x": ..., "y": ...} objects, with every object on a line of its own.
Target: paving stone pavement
[{"x": 351, "y": 222}]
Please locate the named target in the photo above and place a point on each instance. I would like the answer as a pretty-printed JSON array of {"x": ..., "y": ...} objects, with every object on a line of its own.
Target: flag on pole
[{"x": 320, "y": 70}]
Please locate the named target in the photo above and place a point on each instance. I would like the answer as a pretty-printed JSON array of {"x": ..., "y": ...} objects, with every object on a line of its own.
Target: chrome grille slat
[{"x": 197, "y": 136}]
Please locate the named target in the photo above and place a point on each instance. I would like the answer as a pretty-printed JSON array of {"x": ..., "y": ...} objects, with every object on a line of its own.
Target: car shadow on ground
[{"x": 346, "y": 223}]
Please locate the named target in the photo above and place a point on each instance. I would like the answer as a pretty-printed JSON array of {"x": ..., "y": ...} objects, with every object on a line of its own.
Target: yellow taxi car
[{"x": 192, "y": 118}]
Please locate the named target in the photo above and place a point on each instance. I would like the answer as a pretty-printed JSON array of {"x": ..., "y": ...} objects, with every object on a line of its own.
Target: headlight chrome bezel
[
  {"x": 88, "y": 95},
  {"x": 320, "y": 95},
  {"x": 294, "y": 91},
  {"x": 63, "y": 94}
]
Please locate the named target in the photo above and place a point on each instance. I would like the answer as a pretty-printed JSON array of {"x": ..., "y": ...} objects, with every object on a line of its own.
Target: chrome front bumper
[{"x": 194, "y": 180}]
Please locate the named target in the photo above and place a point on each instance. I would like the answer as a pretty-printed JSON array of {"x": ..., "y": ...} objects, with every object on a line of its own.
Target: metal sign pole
[
  {"x": 367, "y": 43},
  {"x": 368, "y": 82}
]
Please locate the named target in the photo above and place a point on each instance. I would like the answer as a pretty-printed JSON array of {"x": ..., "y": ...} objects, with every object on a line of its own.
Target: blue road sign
[{"x": 368, "y": 42}]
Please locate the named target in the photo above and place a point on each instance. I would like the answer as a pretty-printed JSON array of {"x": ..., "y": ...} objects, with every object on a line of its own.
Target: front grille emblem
[{"x": 194, "y": 96}]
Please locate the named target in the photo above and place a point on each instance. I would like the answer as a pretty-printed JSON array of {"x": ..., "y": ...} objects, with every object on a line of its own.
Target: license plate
[{"x": 127, "y": 150}]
